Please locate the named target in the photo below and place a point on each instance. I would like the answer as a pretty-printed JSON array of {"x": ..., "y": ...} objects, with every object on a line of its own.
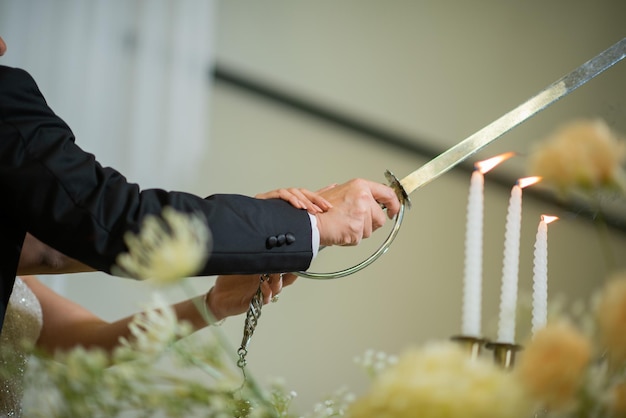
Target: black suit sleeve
[{"x": 65, "y": 198}]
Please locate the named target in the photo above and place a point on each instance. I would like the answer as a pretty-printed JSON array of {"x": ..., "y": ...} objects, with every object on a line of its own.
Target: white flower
[
  {"x": 155, "y": 329},
  {"x": 167, "y": 248},
  {"x": 375, "y": 362},
  {"x": 335, "y": 406}
]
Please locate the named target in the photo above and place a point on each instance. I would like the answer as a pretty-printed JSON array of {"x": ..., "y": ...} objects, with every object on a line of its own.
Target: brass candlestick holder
[
  {"x": 473, "y": 345},
  {"x": 504, "y": 353}
]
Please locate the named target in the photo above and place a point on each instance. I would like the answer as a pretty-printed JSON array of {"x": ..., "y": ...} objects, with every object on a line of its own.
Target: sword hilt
[
  {"x": 397, "y": 187},
  {"x": 395, "y": 184}
]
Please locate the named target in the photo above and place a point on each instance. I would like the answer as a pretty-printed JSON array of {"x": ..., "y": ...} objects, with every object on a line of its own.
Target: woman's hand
[
  {"x": 300, "y": 198},
  {"x": 231, "y": 295}
]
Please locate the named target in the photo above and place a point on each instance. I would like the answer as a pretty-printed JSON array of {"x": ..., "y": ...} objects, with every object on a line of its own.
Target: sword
[{"x": 475, "y": 142}]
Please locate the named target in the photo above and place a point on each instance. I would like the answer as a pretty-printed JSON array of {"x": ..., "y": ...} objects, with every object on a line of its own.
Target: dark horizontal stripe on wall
[
  {"x": 386, "y": 137},
  {"x": 321, "y": 112}
]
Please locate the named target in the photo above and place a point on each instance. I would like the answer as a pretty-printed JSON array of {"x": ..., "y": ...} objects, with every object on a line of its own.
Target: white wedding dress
[{"x": 22, "y": 324}]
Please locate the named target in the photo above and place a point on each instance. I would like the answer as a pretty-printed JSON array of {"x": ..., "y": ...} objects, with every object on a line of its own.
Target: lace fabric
[{"x": 22, "y": 324}]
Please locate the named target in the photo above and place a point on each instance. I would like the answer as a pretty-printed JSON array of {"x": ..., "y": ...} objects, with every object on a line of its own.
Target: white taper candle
[
  {"x": 510, "y": 264},
  {"x": 540, "y": 275},
  {"x": 472, "y": 279},
  {"x": 473, "y": 272}
]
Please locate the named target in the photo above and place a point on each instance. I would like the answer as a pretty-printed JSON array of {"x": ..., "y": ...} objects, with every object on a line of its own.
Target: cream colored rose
[
  {"x": 618, "y": 400},
  {"x": 611, "y": 316},
  {"x": 553, "y": 364},
  {"x": 442, "y": 380},
  {"x": 582, "y": 154}
]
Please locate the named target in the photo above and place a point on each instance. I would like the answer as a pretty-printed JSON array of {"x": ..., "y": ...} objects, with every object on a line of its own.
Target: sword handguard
[
  {"x": 395, "y": 184},
  {"x": 404, "y": 201}
]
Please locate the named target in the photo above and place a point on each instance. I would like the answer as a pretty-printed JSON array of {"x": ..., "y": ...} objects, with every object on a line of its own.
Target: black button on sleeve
[
  {"x": 271, "y": 242},
  {"x": 281, "y": 240}
]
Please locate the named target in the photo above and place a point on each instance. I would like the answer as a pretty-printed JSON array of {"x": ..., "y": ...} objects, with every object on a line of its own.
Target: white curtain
[{"x": 130, "y": 77}]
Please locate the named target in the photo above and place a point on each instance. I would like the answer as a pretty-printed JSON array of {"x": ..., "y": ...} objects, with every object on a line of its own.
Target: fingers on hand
[
  {"x": 288, "y": 196},
  {"x": 386, "y": 196},
  {"x": 378, "y": 217},
  {"x": 317, "y": 200},
  {"x": 288, "y": 279},
  {"x": 267, "y": 195},
  {"x": 267, "y": 292},
  {"x": 375, "y": 217},
  {"x": 303, "y": 196},
  {"x": 304, "y": 199},
  {"x": 274, "y": 285},
  {"x": 292, "y": 195}
]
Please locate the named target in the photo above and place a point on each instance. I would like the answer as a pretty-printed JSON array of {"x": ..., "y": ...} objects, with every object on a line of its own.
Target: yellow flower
[
  {"x": 166, "y": 249},
  {"x": 612, "y": 318},
  {"x": 441, "y": 380},
  {"x": 553, "y": 364},
  {"x": 618, "y": 400},
  {"x": 583, "y": 154}
]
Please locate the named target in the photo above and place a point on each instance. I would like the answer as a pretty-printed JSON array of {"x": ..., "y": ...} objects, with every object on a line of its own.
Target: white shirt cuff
[{"x": 315, "y": 235}]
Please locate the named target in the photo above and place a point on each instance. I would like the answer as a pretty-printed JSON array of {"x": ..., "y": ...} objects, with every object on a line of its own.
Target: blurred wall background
[{"x": 425, "y": 72}]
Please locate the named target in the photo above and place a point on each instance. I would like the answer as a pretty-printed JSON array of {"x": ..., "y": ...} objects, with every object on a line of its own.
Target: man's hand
[{"x": 356, "y": 211}]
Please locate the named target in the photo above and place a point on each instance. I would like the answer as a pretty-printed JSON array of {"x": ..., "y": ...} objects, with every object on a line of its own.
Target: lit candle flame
[
  {"x": 528, "y": 181},
  {"x": 548, "y": 218},
  {"x": 486, "y": 165}
]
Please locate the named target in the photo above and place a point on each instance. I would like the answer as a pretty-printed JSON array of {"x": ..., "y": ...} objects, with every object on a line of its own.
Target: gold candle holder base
[
  {"x": 504, "y": 353},
  {"x": 473, "y": 345}
]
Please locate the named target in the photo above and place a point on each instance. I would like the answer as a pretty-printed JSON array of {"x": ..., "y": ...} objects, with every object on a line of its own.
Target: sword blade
[{"x": 508, "y": 121}]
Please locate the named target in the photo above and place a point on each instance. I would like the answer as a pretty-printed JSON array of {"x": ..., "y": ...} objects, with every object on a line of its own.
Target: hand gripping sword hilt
[{"x": 404, "y": 202}]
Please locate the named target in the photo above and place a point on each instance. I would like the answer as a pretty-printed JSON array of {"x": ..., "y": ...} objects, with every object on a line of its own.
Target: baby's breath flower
[
  {"x": 583, "y": 154},
  {"x": 166, "y": 249},
  {"x": 375, "y": 362},
  {"x": 156, "y": 328},
  {"x": 441, "y": 380},
  {"x": 335, "y": 406},
  {"x": 553, "y": 364},
  {"x": 84, "y": 365}
]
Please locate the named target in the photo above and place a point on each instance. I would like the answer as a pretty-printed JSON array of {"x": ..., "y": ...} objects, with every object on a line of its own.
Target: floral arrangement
[
  {"x": 135, "y": 377},
  {"x": 582, "y": 155},
  {"x": 563, "y": 371}
]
